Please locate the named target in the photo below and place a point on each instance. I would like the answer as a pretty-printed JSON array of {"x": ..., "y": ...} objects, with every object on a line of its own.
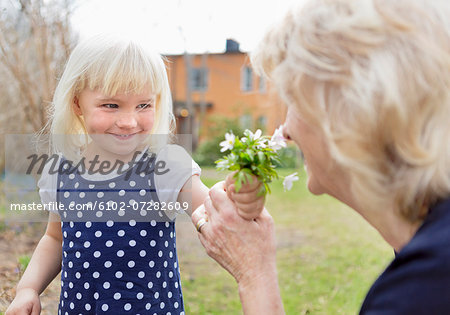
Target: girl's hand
[
  {"x": 249, "y": 200},
  {"x": 26, "y": 302}
]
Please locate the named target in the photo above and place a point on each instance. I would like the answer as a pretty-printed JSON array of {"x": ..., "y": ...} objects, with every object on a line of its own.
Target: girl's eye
[
  {"x": 110, "y": 105},
  {"x": 145, "y": 106}
]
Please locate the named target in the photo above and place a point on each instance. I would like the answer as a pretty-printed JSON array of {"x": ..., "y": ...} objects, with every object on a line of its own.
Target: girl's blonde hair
[
  {"x": 112, "y": 65},
  {"x": 374, "y": 76}
]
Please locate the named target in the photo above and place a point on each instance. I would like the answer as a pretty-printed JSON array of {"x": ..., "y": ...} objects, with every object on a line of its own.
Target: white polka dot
[
  {"x": 96, "y": 274},
  {"x": 151, "y": 263},
  {"x": 78, "y": 275},
  {"x": 152, "y": 243},
  {"x": 158, "y": 274},
  {"x": 72, "y": 306},
  {"x": 66, "y": 194},
  {"x": 65, "y": 234},
  {"x": 61, "y": 184},
  {"x": 165, "y": 264},
  {"x": 161, "y": 233},
  {"x": 87, "y": 244},
  {"x": 82, "y": 194},
  {"x": 98, "y": 233},
  {"x": 120, "y": 253},
  {"x": 142, "y": 253},
  {"x": 86, "y": 285},
  {"x": 99, "y": 214},
  {"x": 105, "y": 307},
  {"x": 70, "y": 264},
  {"x": 141, "y": 274},
  {"x": 121, "y": 213},
  {"x": 100, "y": 194},
  {"x": 176, "y": 285},
  {"x": 170, "y": 254},
  {"x": 170, "y": 274},
  {"x": 106, "y": 285},
  {"x": 71, "y": 224},
  {"x": 160, "y": 253},
  {"x": 88, "y": 224},
  {"x": 142, "y": 192},
  {"x": 131, "y": 202},
  {"x": 97, "y": 254},
  {"x": 87, "y": 307},
  {"x": 162, "y": 305},
  {"x": 108, "y": 264},
  {"x": 139, "y": 296},
  {"x": 117, "y": 296},
  {"x": 148, "y": 306},
  {"x": 153, "y": 223},
  {"x": 119, "y": 274},
  {"x": 129, "y": 285},
  {"x": 65, "y": 294},
  {"x": 132, "y": 222},
  {"x": 91, "y": 186},
  {"x": 70, "y": 244},
  {"x": 171, "y": 234},
  {"x": 164, "y": 285},
  {"x": 109, "y": 243},
  {"x": 175, "y": 304},
  {"x": 169, "y": 295},
  {"x": 109, "y": 223},
  {"x": 86, "y": 265},
  {"x": 175, "y": 265},
  {"x": 131, "y": 264},
  {"x": 132, "y": 243},
  {"x": 121, "y": 233},
  {"x": 156, "y": 295},
  {"x": 150, "y": 285},
  {"x": 143, "y": 213},
  {"x": 132, "y": 183},
  {"x": 167, "y": 224},
  {"x": 79, "y": 296},
  {"x": 143, "y": 233},
  {"x": 79, "y": 214},
  {"x": 71, "y": 285},
  {"x": 112, "y": 185},
  {"x": 121, "y": 192},
  {"x": 96, "y": 295}
]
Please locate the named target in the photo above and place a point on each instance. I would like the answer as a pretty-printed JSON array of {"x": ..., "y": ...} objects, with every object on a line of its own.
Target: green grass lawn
[{"x": 328, "y": 257}]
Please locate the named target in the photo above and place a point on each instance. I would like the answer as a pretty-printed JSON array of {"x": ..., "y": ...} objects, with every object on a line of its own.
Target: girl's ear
[{"x": 76, "y": 106}]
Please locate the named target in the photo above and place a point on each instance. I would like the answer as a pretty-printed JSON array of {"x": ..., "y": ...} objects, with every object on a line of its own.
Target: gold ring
[{"x": 200, "y": 223}]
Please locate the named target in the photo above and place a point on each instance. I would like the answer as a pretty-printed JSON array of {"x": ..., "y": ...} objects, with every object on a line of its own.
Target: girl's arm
[
  {"x": 44, "y": 266},
  {"x": 194, "y": 192}
]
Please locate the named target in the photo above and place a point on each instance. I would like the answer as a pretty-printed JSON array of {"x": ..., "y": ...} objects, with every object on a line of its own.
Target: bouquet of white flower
[{"x": 255, "y": 155}]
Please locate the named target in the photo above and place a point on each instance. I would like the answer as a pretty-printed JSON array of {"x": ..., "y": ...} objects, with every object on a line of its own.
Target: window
[
  {"x": 246, "y": 121},
  {"x": 199, "y": 79},
  {"x": 262, "y": 85},
  {"x": 246, "y": 79}
]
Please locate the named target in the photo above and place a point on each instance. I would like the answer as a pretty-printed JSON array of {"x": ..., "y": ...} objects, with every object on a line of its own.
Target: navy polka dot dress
[{"x": 118, "y": 258}]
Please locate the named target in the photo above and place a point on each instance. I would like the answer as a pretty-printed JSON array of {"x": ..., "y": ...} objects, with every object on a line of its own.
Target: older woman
[{"x": 367, "y": 85}]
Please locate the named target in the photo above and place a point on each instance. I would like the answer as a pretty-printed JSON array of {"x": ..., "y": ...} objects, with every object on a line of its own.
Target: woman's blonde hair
[
  {"x": 112, "y": 65},
  {"x": 374, "y": 75}
]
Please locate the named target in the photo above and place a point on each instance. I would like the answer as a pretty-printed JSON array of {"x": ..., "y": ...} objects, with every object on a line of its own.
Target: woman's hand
[
  {"x": 246, "y": 249},
  {"x": 26, "y": 302},
  {"x": 249, "y": 200}
]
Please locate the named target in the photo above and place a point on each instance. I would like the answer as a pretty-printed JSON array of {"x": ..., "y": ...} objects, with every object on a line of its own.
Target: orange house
[{"x": 221, "y": 84}]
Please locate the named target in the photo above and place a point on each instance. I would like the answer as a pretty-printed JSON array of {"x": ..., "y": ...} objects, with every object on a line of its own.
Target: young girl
[{"x": 117, "y": 185}]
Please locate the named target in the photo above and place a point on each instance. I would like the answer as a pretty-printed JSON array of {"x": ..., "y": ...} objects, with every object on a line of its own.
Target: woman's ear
[{"x": 76, "y": 106}]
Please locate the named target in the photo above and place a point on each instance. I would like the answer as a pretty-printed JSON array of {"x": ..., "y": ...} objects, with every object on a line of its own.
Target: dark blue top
[
  {"x": 418, "y": 279},
  {"x": 119, "y": 251}
]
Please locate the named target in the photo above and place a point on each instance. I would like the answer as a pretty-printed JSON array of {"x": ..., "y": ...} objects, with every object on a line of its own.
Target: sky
[{"x": 173, "y": 26}]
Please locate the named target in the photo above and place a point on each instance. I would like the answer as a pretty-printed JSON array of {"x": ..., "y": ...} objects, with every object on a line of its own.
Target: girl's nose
[{"x": 126, "y": 121}]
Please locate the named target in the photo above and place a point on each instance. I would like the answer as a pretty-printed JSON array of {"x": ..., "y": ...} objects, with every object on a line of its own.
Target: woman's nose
[{"x": 126, "y": 121}]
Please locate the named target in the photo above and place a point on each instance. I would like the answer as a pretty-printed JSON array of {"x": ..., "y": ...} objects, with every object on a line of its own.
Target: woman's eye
[{"x": 110, "y": 105}]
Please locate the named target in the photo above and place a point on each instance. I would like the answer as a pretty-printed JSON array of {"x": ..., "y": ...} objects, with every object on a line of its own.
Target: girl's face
[
  {"x": 117, "y": 124},
  {"x": 323, "y": 174}
]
